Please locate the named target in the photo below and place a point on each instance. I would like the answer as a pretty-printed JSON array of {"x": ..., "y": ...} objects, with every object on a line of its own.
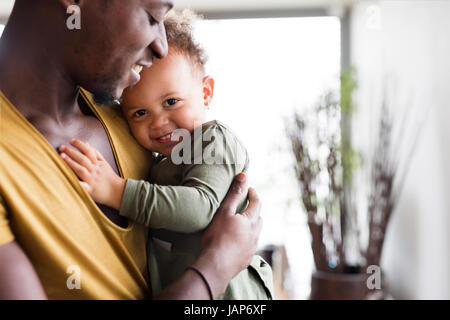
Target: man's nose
[{"x": 159, "y": 46}]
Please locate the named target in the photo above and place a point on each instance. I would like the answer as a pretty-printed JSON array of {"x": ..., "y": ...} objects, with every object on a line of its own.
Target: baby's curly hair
[{"x": 179, "y": 30}]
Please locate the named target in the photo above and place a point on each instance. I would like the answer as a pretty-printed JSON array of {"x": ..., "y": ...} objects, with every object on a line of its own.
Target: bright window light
[
  {"x": 264, "y": 69},
  {"x": 1, "y": 29}
]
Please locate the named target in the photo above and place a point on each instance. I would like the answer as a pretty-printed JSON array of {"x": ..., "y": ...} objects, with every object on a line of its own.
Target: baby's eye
[
  {"x": 140, "y": 113},
  {"x": 170, "y": 102}
]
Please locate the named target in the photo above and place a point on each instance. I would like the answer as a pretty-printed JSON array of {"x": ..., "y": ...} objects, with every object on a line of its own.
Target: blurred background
[{"x": 368, "y": 83}]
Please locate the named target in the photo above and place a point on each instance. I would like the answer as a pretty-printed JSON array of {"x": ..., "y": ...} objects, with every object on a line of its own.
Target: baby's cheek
[
  {"x": 140, "y": 136},
  {"x": 185, "y": 119},
  {"x": 147, "y": 143}
]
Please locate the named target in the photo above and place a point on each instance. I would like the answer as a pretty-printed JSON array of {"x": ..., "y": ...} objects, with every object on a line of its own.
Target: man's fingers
[
  {"x": 254, "y": 206},
  {"x": 235, "y": 194},
  {"x": 79, "y": 170}
]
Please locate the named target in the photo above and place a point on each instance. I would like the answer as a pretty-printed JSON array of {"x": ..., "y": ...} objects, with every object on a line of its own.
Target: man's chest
[{"x": 85, "y": 128}]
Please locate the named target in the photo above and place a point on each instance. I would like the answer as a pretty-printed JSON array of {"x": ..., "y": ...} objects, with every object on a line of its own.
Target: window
[
  {"x": 264, "y": 69},
  {"x": 1, "y": 29}
]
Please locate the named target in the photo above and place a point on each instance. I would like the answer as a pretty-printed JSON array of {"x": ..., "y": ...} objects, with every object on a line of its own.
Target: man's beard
[
  {"x": 105, "y": 99},
  {"x": 104, "y": 93}
]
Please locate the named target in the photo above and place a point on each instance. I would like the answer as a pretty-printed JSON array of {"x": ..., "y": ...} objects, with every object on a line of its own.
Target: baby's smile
[{"x": 165, "y": 139}]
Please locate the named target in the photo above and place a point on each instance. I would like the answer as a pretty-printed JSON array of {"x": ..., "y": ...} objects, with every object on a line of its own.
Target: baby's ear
[{"x": 208, "y": 90}]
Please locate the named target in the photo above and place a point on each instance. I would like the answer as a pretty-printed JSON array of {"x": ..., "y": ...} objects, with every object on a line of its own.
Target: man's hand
[
  {"x": 228, "y": 246},
  {"x": 97, "y": 176},
  {"x": 232, "y": 238}
]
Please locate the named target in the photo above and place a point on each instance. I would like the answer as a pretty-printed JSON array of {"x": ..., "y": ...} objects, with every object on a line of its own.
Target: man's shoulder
[{"x": 7, "y": 110}]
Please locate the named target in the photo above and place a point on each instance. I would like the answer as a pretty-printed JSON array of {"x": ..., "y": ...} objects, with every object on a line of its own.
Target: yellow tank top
[{"x": 77, "y": 251}]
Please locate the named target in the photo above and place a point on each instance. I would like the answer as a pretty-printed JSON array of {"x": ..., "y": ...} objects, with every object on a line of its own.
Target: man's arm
[
  {"x": 18, "y": 279},
  {"x": 228, "y": 246}
]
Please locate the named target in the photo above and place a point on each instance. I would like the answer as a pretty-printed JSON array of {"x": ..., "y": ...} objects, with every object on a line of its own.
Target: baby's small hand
[{"x": 97, "y": 176}]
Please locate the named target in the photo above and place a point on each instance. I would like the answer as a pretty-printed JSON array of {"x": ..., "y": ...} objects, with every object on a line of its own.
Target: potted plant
[{"x": 325, "y": 164}]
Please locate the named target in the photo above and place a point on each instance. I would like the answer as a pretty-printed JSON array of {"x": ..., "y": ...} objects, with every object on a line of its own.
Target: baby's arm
[{"x": 186, "y": 208}]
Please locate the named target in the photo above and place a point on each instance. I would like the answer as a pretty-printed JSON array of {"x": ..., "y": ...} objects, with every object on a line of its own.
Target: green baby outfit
[{"x": 180, "y": 201}]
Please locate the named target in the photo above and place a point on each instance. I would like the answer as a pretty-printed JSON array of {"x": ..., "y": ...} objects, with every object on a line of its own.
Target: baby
[{"x": 194, "y": 163}]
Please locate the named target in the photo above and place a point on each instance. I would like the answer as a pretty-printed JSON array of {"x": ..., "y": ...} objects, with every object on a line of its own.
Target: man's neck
[{"x": 35, "y": 81}]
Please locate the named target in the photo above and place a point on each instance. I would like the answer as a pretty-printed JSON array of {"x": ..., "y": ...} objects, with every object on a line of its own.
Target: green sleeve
[{"x": 190, "y": 206}]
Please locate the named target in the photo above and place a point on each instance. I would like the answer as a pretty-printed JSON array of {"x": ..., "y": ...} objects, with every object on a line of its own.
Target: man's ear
[
  {"x": 67, "y": 3},
  {"x": 208, "y": 90}
]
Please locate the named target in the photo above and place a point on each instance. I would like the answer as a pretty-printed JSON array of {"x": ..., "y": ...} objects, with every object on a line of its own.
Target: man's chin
[{"x": 105, "y": 99}]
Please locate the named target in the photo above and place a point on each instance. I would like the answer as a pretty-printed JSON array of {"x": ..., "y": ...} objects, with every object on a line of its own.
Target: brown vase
[{"x": 338, "y": 286}]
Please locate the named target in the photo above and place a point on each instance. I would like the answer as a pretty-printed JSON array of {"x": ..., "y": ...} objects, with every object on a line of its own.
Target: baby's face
[{"x": 171, "y": 95}]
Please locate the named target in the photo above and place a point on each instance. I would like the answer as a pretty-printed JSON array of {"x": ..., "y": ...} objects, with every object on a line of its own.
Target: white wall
[
  {"x": 235, "y": 5},
  {"x": 405, "y": 46},
  {"x": 5, "y": 8}
]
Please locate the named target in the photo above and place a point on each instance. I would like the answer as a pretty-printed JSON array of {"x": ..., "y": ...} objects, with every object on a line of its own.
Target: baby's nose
[{"x": 159, "y": 121}]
